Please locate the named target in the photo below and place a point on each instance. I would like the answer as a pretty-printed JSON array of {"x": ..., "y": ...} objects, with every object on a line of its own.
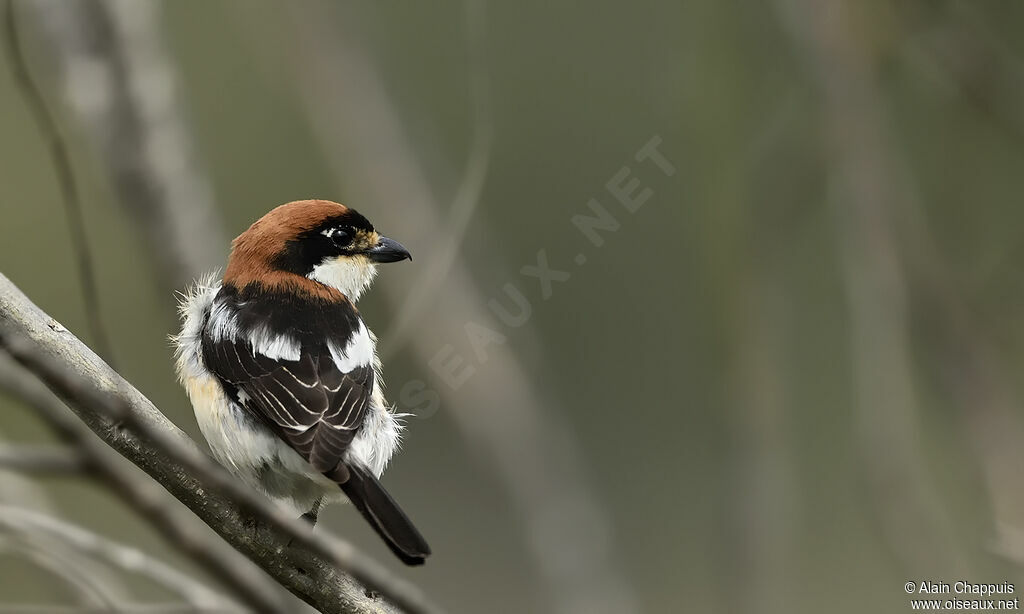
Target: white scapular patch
[
  {"x": 352, "y": 275},
  {"x": 222, "y": 324},
  {"x": 358, "y": 352}
]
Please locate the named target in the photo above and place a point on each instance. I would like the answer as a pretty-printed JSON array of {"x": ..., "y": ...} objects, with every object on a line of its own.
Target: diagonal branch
[
  {"x": 141, "y": 494},
  {"x": 311, "y": 567}
]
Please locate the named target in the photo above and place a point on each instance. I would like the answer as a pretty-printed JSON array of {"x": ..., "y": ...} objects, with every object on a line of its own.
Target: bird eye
[{"x": 341, "y": 236}]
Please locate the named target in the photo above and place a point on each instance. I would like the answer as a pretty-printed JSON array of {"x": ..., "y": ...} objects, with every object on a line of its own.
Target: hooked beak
[{"x": 388, "y": 250}]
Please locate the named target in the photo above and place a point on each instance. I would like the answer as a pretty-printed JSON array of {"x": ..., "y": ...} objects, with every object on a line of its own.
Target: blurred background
[{"x": 715, "y": 307}]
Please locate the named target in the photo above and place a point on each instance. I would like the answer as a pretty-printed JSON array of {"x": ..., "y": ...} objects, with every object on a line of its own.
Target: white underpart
[
  {"x": 245, "y": 447},
  {"x": 351, "y": 275}
]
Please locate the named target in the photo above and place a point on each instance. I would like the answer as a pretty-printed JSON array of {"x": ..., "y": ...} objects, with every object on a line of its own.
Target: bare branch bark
[
  {"x": 310, "y": 566},
  {"x": 141, "y": 494}
]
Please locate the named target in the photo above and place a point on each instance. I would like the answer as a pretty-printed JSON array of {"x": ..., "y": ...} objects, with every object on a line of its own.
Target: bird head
[{"x": 313, "y": 247}]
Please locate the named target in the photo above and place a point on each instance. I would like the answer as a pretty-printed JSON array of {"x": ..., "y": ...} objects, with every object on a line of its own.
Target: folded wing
[{"x": 312, "y": 405}]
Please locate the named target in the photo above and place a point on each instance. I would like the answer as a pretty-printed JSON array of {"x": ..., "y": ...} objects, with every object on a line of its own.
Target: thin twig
[
  {"x": 467, "y": 196},
  {"x": 42, "y": 459},
  {"x": 15, "y": 486},
  {"x": 18, "y": 488},
  {"x": 90, "y": 592},
  {"x": 32, "y": 523},
  {"x": 65, "y": 179},
  {"x": 121, "y": 88},
  {"x": 125, "y": 608}
]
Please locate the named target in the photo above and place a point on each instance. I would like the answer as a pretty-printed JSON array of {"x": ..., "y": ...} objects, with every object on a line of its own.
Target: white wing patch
[{"x": 275, "y": 347}]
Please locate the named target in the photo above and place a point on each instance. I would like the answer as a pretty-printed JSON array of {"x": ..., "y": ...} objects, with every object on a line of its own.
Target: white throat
[{"x": 351, "y": 275}]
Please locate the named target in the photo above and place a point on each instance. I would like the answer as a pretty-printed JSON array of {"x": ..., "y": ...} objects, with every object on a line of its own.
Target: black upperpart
[{"x": 310, "y": 321}]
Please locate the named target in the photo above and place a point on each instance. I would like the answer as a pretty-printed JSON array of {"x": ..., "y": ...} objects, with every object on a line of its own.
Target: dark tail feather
[{"x": 384, "y": 515}]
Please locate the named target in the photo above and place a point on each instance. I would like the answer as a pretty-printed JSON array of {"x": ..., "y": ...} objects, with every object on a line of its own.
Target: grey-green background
[{"x": 792, "y": 375}]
